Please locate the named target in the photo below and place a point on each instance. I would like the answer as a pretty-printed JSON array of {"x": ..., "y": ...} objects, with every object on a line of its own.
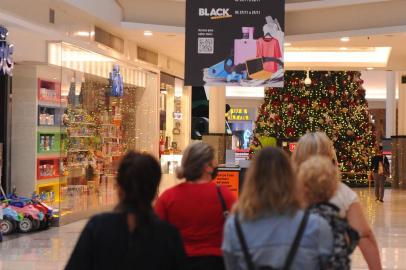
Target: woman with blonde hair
[
  {"x": 345, "y": 199},
  {"x": 196, "y": 208},
  {"x": 268, "y": 230}
]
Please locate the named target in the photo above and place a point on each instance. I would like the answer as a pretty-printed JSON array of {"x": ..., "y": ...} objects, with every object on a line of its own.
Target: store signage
[
  {"x": 230, "y": 179},
  {"x": 292, "y": 147},
  {"x": 239, "y": 115},
  {"x": 235, "y": 43},
  {"x": 116, "y": 82},
  {"x": 6, "y": 53}
]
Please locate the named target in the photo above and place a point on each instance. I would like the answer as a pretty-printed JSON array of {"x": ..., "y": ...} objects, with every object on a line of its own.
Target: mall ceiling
[
  {"x": 310, "y": 24},
  {"x": 172, "y": 12}
]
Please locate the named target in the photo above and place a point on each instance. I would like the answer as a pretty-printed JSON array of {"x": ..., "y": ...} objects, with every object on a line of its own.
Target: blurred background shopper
[
  {"x": 131, "y": 237},
  {"x": 345, "y": 198},
  {"x": 268, "y": 229},
  {"x": 195, "y": 208},
  {"x": 380, "y": 169}
]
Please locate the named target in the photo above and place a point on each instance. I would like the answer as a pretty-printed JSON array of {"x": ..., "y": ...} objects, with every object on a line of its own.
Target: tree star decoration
[{"x": 6, "y": 52}]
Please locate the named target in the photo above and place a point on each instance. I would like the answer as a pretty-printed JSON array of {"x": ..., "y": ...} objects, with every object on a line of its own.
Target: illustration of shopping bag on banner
[{"x": 245, "y": 48}]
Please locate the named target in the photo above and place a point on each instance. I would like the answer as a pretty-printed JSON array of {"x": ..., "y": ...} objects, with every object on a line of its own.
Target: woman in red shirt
[{"x": 195, "y": 209}]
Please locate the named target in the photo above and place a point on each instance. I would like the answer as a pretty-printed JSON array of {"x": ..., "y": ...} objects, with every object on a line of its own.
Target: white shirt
[{"x": 343, "y": 198}]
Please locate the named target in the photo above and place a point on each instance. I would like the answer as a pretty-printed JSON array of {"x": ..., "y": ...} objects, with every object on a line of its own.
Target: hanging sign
[
  {"x": 234, "y": 42},
  {"x": 6, "y": 53}
]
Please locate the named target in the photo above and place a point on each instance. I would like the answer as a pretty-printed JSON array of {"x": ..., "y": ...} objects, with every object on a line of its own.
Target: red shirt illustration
[{"x": 269, "y": 47}]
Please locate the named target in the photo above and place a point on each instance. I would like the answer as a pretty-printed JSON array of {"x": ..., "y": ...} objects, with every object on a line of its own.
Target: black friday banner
[{"x": 234, "y": 43}]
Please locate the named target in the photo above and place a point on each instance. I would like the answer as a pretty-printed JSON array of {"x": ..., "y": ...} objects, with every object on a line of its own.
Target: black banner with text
[{"x": 234, "y": 42}]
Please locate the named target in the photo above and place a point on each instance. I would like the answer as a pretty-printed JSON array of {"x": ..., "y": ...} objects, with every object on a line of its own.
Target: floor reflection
[
  {"x": 389, "y": 224},
  {"x": 50, "y": 249}
]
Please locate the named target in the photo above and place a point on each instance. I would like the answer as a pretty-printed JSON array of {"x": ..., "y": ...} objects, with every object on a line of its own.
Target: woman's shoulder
[
  {"x": 345, "y": 190},
  {"x": 315, "y": 221},
  {"x": 344, "y": 196},
  {"x": 106, "y": 218},
  {"x": 169, "y": 192},
  {"x": 117, "y": 218}
]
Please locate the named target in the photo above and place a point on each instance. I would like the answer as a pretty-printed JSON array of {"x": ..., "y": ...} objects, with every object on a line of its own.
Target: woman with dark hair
[
  {"x": 131, "y": 237},
  {"x": 196, "y": 208}
]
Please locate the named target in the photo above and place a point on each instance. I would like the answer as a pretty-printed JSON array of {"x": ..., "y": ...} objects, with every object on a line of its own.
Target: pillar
[
  {"x": 217, "y": 137},
  {"x": 399, "y": 141},
  {"x": 390, "y": 104},
  {"x": 402, "y": 105},
  {"x": 217, "y": 110}
]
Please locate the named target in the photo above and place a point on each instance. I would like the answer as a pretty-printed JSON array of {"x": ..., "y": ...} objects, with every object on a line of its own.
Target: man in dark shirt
[{"x": 380, "y": 170}]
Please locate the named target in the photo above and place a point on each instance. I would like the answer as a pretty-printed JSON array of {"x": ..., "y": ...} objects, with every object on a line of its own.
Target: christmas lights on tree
[{"x": 334, "y": 103}]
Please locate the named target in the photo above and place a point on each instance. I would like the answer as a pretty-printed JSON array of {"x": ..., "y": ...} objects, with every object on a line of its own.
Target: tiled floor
[
  {"x": 388, "y": 221},
  {"x": 50, "y": 249},
  {"x": 47, "y": 250}
]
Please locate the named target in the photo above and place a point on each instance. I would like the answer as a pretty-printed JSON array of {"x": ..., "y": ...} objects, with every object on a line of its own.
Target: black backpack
[{"x": 345, "y": 238}]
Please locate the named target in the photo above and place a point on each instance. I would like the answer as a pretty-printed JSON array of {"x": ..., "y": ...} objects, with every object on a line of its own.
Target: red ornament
[
  {"x": 289, "y": 132},
  {"x": 287, "y": 97},
  {"x": 325, "y": 102},
  {"x": 276, "y": 103},
  {"x": 304, "y": 102}
]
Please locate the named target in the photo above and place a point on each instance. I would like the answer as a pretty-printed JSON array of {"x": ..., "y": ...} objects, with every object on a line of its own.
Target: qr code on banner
[{"x": 205, "y": 45}]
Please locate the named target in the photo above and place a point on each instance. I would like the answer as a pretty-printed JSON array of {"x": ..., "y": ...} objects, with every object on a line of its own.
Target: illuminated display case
[{"x": 72, "y": 134}]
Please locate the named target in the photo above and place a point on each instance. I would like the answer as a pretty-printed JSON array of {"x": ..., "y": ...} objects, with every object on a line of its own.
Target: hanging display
[
  {"x": 6, "y": 52},
  {"x": 116, "y": 82},
  {"x": 237, "y": 43}
]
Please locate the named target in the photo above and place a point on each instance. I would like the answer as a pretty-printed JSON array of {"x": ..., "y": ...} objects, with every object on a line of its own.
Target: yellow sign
[{"x": 238, "y": 115}]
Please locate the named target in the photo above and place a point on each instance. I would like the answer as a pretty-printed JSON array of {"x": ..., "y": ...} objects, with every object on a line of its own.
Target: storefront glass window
[{"x": 106, "y": 108}]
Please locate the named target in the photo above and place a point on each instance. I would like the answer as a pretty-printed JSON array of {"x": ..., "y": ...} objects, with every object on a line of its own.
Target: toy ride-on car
[{"x": 10, "y": 221}]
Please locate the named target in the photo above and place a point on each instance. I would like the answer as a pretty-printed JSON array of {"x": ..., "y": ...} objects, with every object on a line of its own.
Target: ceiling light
[
  {"x": 83, "y": 34},
  {"x": 345, "y": 39},
  {"x": 287, "y": 44},
  {"x": 244, "y": 92},
  {"x": 343, "y": 49},
  {"x": 148, "y": 33},
  {"x": 376, "y": 56},
  {"x": 370, "y": 68}
]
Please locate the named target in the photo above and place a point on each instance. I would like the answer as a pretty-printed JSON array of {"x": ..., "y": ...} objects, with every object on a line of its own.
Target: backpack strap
[
  {"x": 223, "y": 202},
  {"x": 243, "y": 243},
  {"x": 296, "y": 242}
]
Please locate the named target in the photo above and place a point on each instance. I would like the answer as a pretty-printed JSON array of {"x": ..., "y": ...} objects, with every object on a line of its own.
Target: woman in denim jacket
[{"x": 270, "y": 216}]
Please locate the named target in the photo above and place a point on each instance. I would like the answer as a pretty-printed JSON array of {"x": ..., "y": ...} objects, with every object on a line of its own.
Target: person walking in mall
[
  {"x": 268, "y": 230},
  {"x": 345, "y": 198},
  {"x": 131, "y": 237},
  {"x": 197, "y": 208},
  {"x": 380, "y": 170}
]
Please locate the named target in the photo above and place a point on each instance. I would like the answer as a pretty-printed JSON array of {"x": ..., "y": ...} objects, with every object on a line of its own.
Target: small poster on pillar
[{"x": 235, "y": 43}]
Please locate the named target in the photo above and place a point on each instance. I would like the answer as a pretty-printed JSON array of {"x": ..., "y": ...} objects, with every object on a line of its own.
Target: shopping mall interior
[{"x": 82, "y": 82}]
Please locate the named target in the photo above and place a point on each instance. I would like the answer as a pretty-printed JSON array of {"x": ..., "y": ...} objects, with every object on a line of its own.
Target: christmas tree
[{"x": 334, "y": 103}]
